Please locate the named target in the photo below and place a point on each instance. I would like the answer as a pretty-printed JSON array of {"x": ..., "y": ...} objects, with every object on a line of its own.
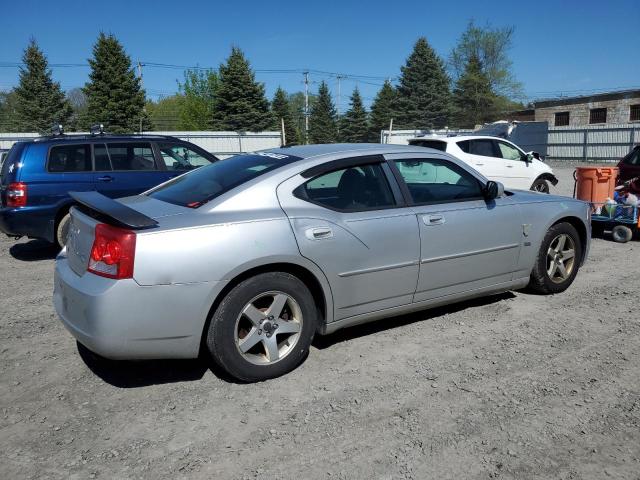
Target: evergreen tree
[
  {"x": 240, "y": 100},
  {"x": 354, "y": 125},
  {"x": 296, "y": 104},
  {"x": 323, "y": 126},
  {"x": 8, "y": 109},
  {"x": 197, "y": 109},
  {"x": 282, "y": 113},
  {"x": 424, "y": 98},
  {"x": 115, "y": 97},
  {"x": 40, "y": 102},
  {"x": 473, "y": 99},
  {"x": 382, "y": 110}
]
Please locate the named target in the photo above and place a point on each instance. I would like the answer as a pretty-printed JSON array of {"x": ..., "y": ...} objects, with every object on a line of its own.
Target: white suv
[{"x": 497, "y": 159}]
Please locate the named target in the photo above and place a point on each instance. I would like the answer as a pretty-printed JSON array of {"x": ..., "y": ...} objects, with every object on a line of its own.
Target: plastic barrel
[{"x": 595, "y": 184}]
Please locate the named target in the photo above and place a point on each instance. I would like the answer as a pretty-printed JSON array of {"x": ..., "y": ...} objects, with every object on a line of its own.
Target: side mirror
[{"x": 493, "y": 190}]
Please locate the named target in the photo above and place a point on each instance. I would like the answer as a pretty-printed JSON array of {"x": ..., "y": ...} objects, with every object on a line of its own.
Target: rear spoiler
[{"x": 101, "y": 206}]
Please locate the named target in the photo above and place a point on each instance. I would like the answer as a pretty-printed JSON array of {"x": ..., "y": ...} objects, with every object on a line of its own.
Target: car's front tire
[
  {"x": 263, "y": 328},
  {"x": 540, "y": 185},
  {"x": 558, "y": 260}
]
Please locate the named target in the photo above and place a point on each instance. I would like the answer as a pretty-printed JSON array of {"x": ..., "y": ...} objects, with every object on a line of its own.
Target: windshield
[{"x": 206, "y": 183}]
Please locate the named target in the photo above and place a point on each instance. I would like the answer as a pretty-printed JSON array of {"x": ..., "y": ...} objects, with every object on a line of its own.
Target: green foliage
[
  {"x": 474, "y": 101},
  {"x": 241, "y": 104},
  {"x": 424, "y": 99},
  {"x": 491, "y": 47},
  {"x": 323, "y": 126},
  {"x": 382, "y": 110},
  {"x": 166, "y": 113},
  {"x": 354, "y": 125},
  {"x": 8, "y": 107},
  {"x": 197, "y": 107},
  {"x": 40, "y": 102},
  {"x": 114, "y": 95},
  {"x": 282, "y": 113}
]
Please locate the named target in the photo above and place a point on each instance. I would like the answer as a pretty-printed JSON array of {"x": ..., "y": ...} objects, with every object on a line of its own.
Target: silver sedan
[{"x": 247, "y": 259}]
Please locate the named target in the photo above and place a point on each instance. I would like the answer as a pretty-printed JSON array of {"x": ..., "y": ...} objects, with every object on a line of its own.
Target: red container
[{"x": 595, "y": 184}]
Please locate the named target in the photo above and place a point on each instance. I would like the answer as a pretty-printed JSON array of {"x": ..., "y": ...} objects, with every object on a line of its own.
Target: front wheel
[
  {"x": 558, "y": 260},
  {"x": 540, "y": 185},
  {"x": 621, "y": 234},
  {"x": 263, "y": 328}
]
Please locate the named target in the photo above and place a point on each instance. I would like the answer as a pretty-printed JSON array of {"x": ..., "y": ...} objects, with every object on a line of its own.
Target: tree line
[{"x": 474, "y": 86}]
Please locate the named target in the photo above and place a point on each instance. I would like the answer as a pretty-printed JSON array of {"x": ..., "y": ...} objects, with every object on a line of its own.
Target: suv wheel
[
  {"x": 62, "y": 231},
  {"x": 558, "y": 260},
  {"x": 540, "y": 185},
  {"x": 263, "y": 327}
]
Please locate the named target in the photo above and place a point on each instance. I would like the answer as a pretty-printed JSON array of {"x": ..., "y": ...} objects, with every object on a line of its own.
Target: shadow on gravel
[
  {"x": 326, "y": 341},
  {"x": 125, "y": 374},
  {"x": 33, "y": 251}
]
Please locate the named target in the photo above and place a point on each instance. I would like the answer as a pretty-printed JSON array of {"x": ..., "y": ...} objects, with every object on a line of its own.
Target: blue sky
[{"x": 568, "y": 47}]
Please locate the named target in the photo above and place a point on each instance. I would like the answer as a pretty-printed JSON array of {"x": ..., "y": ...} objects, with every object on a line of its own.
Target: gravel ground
[{"x": 510, "y": 386}]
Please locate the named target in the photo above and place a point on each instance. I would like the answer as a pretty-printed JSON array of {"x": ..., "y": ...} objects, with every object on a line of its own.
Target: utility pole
[
  {"x": 144, "y": 109},
  {"x": 306, "y": 107},
  {"x": 339, "y": 77}
]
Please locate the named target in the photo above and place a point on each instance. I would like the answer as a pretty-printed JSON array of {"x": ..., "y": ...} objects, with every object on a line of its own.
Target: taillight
[
  {"x": 17, "y": 194},
  {"x": 113, "y": 252}
]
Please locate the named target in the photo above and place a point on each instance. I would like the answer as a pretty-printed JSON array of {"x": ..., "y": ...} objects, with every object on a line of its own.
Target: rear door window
[
  {"x": 131, "y": 156},
  {"x": 70, "y": 158},
  {"x": 509, "y": 152},
  {"x": 358, "y": 188},
  {"x": 101, "y": 158},
  {"x": 483, "y": 147}
]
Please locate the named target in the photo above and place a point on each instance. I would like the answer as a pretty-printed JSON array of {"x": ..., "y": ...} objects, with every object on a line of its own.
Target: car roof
[
  {"x": 83, "y": 138},
  {"x": 456, "y": 138},
  {"x": 357, "y": 149}
]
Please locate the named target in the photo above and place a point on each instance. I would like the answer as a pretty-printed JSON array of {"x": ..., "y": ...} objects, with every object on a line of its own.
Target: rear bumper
[
  {"x": 33, "y": 222},
  {"x": 119, "y": 319}
]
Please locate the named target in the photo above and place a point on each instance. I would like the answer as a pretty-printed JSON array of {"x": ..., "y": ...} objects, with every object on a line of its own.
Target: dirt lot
[{"x": 512, "y": 386}]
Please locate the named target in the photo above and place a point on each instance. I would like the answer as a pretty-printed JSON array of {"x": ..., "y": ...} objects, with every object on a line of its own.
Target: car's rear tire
[
  {"x": 558, "y": 260},
  {"x": 540, "y": 185},
  {"x": 263, "y": 328},
  {"x": 62, "y": 231},
  {"x": 621, "y": 234}
]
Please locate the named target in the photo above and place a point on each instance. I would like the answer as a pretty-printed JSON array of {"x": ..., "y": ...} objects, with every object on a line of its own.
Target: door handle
[
  {"x": 509, "y": 166},
  {"x": 318, "y": 233},
  {"x": 105, "y": 178},
  {"x": 433, "y": 219},
  {"x": 480, "y": 164}
]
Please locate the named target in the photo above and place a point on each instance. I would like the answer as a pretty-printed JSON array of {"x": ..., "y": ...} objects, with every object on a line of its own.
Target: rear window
[
  {"x": 70, "y": 158},
  {"x": 206, "y": 183},
  {"x": 436, "y": 144}
]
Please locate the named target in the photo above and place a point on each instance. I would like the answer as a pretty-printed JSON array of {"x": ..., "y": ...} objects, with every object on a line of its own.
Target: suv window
[
  {"x": 435, "y": 181},
  {"x": 482, "y": 147},
  {"x": 101, "y": 158},
  {"x": 131, "y": 156},
  {"x": 509, "y": 152},
  {"x": 364, "y": 187},
  {"x": 204, "y": 184},
  {"x": 70, "y": 158},
  {"x": 179, "y": 157}
]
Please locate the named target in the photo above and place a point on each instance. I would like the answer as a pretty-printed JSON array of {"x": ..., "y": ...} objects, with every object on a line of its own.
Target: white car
[{"x": 497, "y": 159}]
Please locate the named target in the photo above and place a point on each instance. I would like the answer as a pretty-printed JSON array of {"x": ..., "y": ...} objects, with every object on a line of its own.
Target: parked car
[
  {"x": 497, "y": 159},
  {"x": 629, "y": 168},
  {"x": 248, "y": 258},
  {"x": 37, "y": 175}
]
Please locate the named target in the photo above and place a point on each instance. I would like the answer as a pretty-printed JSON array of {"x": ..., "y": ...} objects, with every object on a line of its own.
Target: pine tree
[
  {"x": 382, "y": 110},
  {"x": 323, "y": 126},
  {"x": 473, "y": 99},
  {"x": 282, "y": 113},
  {"x": 240, "y": 100},
  {"x": 115, "y": 97},
  {"x": 424, "y": 98},
  {"x": 354, "y": 125},
  {"x": 40, "y": 102}
]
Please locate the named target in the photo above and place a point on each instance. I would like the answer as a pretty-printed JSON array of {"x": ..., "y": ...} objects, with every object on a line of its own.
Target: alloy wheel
[
  {"x": 268, "y": 328},
  {"x": 561, "y": 258}
]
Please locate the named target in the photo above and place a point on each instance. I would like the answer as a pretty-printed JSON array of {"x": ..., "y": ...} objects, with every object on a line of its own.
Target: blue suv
[{"x": 37, "y": 175}]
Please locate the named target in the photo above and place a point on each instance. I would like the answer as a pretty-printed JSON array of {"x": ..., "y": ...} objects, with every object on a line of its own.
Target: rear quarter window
[
  {"x": 69, "y": 158},
  {"x": 435, "y": 144}
]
